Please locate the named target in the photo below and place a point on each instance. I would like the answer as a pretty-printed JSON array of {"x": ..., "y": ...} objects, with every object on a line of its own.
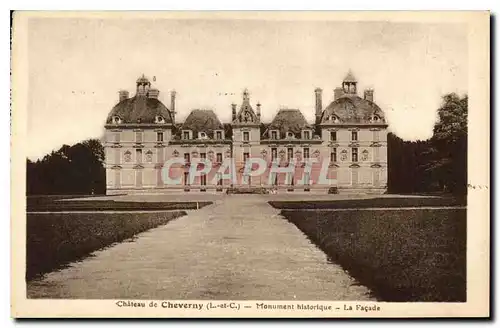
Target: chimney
[
  {"x": 337, "y": 93},
  {"x": 233, "y": 106},
  {"x": 172, "y": 104},
  {"x": 258, "y": 111},
  {"x": 153, "y": 93},
  {"x": 319, "y": 104},
  {"x": 369, "y": 94},
  {"x": 122, "y": 94}
]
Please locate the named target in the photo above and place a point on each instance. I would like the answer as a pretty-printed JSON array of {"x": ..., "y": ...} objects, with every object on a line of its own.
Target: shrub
[{"x": 333, "y": 190}]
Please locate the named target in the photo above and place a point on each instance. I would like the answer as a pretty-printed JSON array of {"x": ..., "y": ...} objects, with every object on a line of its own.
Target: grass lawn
[
  {"x": 54, "y": 240},
  {"x": 410, "y": 255},
  {"x": 50, "y": 204},
  {"x": 371, "y": 202}
]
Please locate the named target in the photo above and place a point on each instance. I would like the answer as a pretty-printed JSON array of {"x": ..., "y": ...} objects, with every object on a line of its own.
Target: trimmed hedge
[
  {"x": 109, "y": 205},
  {"x": 370, "y": 202}
]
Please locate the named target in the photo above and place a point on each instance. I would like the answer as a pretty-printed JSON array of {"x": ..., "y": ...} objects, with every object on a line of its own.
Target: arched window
[
  {"x": 290, "y": 134},
  {"x": 116, "y": 120},
  {"x": 159, "y": 119}
]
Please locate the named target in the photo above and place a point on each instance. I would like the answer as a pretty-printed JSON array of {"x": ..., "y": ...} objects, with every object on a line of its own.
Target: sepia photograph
[{"x": 256, "y": 164}]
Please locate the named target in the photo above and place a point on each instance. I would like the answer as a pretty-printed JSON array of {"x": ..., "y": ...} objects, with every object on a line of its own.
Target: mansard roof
[
  {"x": 202, "y": 120},
  {"x": 288, "y": 120}
]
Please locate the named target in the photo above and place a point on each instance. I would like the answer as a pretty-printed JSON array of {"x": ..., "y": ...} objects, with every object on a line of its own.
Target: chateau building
[{"x": 347, "y": 141}]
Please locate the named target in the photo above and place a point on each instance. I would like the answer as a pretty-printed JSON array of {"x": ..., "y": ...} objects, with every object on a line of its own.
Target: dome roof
[
  {"x": 202, "y": 120},
  {"x": 289, "y": 120},
  {"x": 352, "y": 109},
  {"x": 142, "y": 79},
  {"x": 140, "y": 109},
  {"x": 349, "y": 77}
]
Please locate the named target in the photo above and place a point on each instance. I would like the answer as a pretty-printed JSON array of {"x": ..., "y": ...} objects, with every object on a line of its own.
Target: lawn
[
  {"x": 371, "y": 202},
  {"x": 50, "y": 204},
  {"x": 56, "y": 239},
  {"x": 407, "y": 255}
]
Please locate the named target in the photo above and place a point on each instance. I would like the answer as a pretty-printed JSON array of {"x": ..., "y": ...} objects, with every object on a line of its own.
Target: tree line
[{"x": 435, "y": 165}]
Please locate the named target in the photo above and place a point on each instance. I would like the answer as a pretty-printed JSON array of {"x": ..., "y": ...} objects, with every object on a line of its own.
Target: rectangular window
[
  {"x": 289, "y": 154},
  {"x": 333, "y": 155},
  {"x": 138, "y": 155},
  {"x": 354, "y": 135},
  {"x": 203, "y": 179},
  {"x": 274, "y": 153},
  {"x": 246, "y": 136},
  {"x": 245, "y": 157},
  {"x": 117, "y": 137},
  {"x": 185, "y": 135},
  {"x": 138, "y": 137},
  {"x": 307, "y": 134},
  {"x": 203, "y": 155},
  {"x": 333, "y": 135},
  {"x": 186, "y": 178},
  {"x": 306, "y": 153},
  {"x": 187, "y": 158},
  {"x": 219, "y": 157},
  {"x": 218, "y": 135},
  {"x": 159, "y": 136},
  {"x": 274, "y": 135},
  {"x": 355, "y": 154},
  {"x": 117, "y": 155},
  {"x": 219, "y": 178},
  {"x": 376, "y": 135}
]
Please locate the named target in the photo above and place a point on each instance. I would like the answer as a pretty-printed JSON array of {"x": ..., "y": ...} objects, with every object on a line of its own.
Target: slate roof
[
  {"x": 140, "y": 107},
  {"x": 202, "y": 120},
  {"x": 352, "y": 109},
  {"x": 288, "y": 120}
]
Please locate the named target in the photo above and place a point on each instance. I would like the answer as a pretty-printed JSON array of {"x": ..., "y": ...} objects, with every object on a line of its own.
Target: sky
[{"x": 77, "y": 66}]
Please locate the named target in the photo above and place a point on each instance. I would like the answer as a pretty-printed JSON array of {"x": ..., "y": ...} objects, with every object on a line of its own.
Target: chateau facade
[{"x": 348, "y": 141}]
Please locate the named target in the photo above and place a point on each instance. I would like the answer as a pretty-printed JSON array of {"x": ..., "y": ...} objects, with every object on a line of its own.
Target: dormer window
[
  {"x": 290, "y": 135},
  {"x": 116, "y": 120},
  {"x": 219, "y": 135},
  {"x": 202, "y": 135},
  {"x": 186, "y": 134},
  {"x": 159, "y": 119},
  {"x": 306, "y": 134},
  {"x": 334, "y": 119},
  {"x": 274, "y": 134},
  {"x": 375, "y": 118}
]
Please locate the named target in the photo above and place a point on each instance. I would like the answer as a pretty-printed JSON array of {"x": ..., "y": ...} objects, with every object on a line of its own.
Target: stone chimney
[
  {"x": 337, "y": 93},
  {"x": 233, "y": 106},
  {"x": 122, "y": 95},
  {"x": 258, "y": 111},
  {"x": 153, "y": 93},
  {"x": 369, "y": 94},
  {"x": 173, "y": 93},
  {"x": 319, "y": 104}
]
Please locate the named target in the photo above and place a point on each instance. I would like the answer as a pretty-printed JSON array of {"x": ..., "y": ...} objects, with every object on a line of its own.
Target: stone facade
[{"x": 349, "y": 136}]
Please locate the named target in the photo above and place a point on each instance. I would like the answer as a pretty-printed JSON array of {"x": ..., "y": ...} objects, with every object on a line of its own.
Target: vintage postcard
[{"x": 250, "y": 164}]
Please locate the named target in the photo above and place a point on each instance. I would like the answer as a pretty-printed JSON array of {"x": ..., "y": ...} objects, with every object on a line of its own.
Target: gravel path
[{"x": 238, "y": 248}]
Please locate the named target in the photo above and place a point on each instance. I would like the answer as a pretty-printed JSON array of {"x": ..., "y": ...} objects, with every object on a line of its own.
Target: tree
[
  {"x": 447, "y": 154},
  {"x": 77, "y": 169},
  {"x": 437, "y": 164}
]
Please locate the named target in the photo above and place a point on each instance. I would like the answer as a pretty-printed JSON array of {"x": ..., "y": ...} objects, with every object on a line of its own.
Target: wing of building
[{"x": 148, "y": 151}]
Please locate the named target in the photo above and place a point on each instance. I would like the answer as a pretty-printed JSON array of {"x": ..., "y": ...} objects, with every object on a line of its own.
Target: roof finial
[
  {"x": 350, "y": 77},
  {"x": 246, "y": 94}
]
